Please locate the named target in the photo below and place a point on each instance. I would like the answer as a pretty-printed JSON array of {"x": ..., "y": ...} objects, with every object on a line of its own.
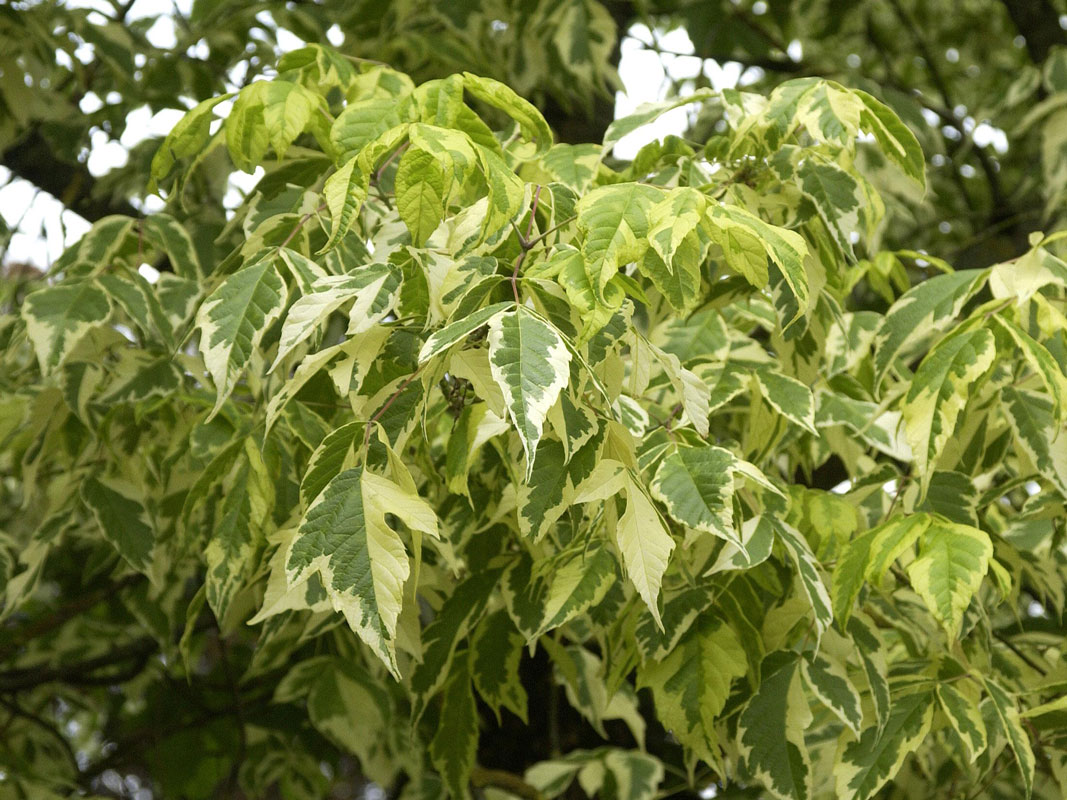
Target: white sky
[{"x": 46, "y": 229}]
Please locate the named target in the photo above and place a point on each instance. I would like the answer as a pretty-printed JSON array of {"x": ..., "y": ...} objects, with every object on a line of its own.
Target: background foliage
[{"x": 464, "y": 457}]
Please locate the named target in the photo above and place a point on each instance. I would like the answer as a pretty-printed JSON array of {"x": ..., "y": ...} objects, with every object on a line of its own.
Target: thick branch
[
  {"x": 482, "y": 777},
  {"x": 1039, "y": 24},
  {"x": 32, "y": 159},
  {"x": 84, "y": 673},
  {"x": 11, "y": 642}
]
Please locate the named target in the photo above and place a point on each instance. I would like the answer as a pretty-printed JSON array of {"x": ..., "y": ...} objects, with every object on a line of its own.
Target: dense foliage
[{"x": 461, "y": 461}]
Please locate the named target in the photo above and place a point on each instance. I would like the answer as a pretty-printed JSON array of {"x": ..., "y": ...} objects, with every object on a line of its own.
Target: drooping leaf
[
  {"x": 1007, "y": 715},
  {"x": 58, "y": 317},
  {"x": 691, "y": 685},
  {"x": 455, "y": 744},
  {"x": 530, "y": 364},
  {"x": 344, "y": 536},
  {"x": 233, "y": 320},
  {"x": 770, "y": 731},
  {"x": 122, "y": 518},
  {"x": 939, "y": 392},
  {"x": 951, "y": 564},
  {"x": 871, "y": 761},
  {"x": 922, "y": 311}
]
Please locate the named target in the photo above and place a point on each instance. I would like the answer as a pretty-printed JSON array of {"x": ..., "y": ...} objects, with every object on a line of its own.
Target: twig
[
  {"x": 18, "y": 711},
  {"x": 1015, "y": 649},
  {"x": 525, "y": 244},
  {"x": 509, "y": 782},
  {"x": 302, "y": 222},
  {"x": 537, "y": 239},
  {"x": 392, "y": 398},
  {"x": 388, "y": 161}
]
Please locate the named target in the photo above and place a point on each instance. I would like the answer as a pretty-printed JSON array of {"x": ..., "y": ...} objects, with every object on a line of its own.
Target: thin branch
[
  {"x": 509, "y": 782},
  {"x": 1022, "y": 656},
  {"x": 392, "y": 398},
  {"x": 18, "y": 711},
  {"x": 525, "y": 243},
  {"x": 300, "y": 224},
  {"x": 388, "y": 161},
  {"x": 997, "y": 194},
  {"x": 537, "y": 239}
]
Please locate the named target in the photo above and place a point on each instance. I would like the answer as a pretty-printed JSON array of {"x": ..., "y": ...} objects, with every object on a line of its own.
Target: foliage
[{"x": 453, "y": 439}]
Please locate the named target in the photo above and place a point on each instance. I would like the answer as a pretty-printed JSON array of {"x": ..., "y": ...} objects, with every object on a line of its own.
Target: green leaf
[
  {"x": 344, "y": 536},
  {"x": 894, "y": 138},
  {"x": 614, "y": 221},
  {"x": 692, "y": 392},
  {"x": 341, "y": 692},
  {"x": 872, "y": 656},
  {"x": 837, "y": 197},
  {"x": 361, "y": 123},
  {"x": 1011, "y": 726},
  {"x": 871, "y": 761},
  {"x": 330, "y": 457},
  {"x": 953, "y": 560},
  {"x": 642, "y": 539},
  {"x": 677, "y": 247},
  {"x": 233, "y": 319},
  {"x": 788, "y": 396},
  {"x": 965, "y": 718},
  {"x": 808, "y": 573},
  {"x": 633, "y": 775},
  {"x": 344, "y": 192},
  {"x": 1031, "y": 416},
  {"x": 186, "y": 138},
  {"x": 238, "y": 532},
  {"x": 457, "y": 618},
  {"x": 497, "y": 651},
  {"x": 506, "y": 193},
  {"x": 850, "y": 572},
  {"x": 531, "y": 122},
  {"x": 770, "y": 731},
  {"x": 891, "y": 540},
  {"x": 122, "y": 518},
  {"x": 164, "y": 232},
  {"x": 460, "y": 329},
  {"x": 691, "y": 684},
  {"x": 455, "y": 744},
  {"x": 531, "y": 364},
  {"x": 696, "y": 486},
  {"x": 756, "y": 541},
  {"x": 57, "y": 318},
  {"x": 649, "y": 112},
  {"x": 939, "y": 392},
  {"x": 267, "y": 113},
  {"x": 373, "y": 288},
  {"x": 921, "y": 312},
  {"x": 1042, "y": 363},
  {"x": 785, "y": 248},
  {"x": 579, "y": 580},
  {"x": 829, "y": 681},
  {"x": 421, "y": 193}
]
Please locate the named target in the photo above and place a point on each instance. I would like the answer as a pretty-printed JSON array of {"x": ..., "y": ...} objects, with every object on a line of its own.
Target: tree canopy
[{"x": 464, "y": 455}]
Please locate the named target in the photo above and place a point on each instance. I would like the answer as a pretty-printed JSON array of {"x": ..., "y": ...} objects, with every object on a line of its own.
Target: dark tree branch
[
  {"x": 1038, "y": 23},
  {"x": 482, "y": 777},
  {"x": 11, "y": 642},
  {"x": 18, "y": 712},
  {"x": 84, "y": 673},
  {"x": 32, "y": 159}
]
